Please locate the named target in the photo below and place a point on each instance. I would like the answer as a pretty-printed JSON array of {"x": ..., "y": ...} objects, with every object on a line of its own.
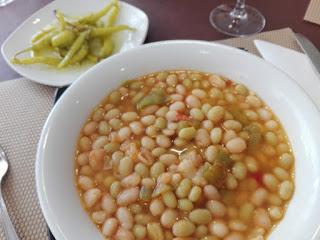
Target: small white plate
[{"x": 20, "y": 39}]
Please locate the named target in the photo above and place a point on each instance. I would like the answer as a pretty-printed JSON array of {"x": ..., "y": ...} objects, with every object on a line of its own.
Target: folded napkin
[
  {"x": 24, "y": 106},
  {"x": 313, "y": 12}
]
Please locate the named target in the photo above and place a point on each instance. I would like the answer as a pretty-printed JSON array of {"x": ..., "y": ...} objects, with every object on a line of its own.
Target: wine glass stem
[{"x": 239, "y": 11}]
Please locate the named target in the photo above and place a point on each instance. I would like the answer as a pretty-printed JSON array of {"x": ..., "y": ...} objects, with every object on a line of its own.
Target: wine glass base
[
  {"x": 222, "y": 20},
  {"x": 5, "y": 2}
]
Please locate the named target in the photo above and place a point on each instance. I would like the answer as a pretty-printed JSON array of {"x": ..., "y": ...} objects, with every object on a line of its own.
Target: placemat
[
  {"x": 313, "y": 12},
  {"x": 24, "y": 106}
]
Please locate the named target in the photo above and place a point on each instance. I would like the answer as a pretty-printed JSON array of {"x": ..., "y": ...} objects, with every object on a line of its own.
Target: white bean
[
  {"x": 218, "y": 228},
  {"x": 193, "y": 102},
  {"x": 91, "y": 197},
  {"x": 285, "y": 190},
  {"x": 236, "y": 145},
  {"x": 85, "y": 183},
  {"x": 132, "y": 180},
  {"x": 148, "y": 120},
  {"x": 125, "y": 218},
  {"x": 110, "y": 227},
  {"x": 108, "y": 204},
  {"x": 202, "y": 138},
  {"x": 128, "y": 196},
  {"x": 211, "y": 193},
  {"x": 216, "y": 208}
]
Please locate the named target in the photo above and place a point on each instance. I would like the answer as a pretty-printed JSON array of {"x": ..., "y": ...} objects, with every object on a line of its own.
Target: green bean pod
[
  {"x": 106, "y": 31},
  {"x": 91, "y": 58},
  {"x": 39, "y": 59},
  {"x": 95, "y": 45},
  {"x": 43, "y": 42},
  {"x": 63, "y": 39},
  {"x": 77, "y": 44}
]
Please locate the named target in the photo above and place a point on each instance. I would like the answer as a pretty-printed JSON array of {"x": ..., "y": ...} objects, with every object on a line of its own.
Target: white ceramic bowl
[{"x": 55, "y": 158}]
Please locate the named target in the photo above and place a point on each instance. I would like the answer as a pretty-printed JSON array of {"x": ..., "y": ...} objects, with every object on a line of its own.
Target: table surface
[{"x": 174, "y": 19}]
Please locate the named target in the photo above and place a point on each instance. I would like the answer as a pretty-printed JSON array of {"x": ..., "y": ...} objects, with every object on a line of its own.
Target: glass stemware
[{"x": 237, "y": 20}]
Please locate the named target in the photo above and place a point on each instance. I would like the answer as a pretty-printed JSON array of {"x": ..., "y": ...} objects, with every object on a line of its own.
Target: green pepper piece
[
  {"x": 215, "y": 174},
  {"x": 255, "y": 136},
  {"x": 155, "y": 97},
  {"x": 238, "y": 115}
]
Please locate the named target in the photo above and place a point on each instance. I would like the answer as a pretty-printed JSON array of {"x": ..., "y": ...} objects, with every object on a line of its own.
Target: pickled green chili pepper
[
  {"x": 63, "y": 39},
  {"x": 91, "y": 58},
  {"x": 94, "y": 17},
  {"x": 41, "y": 34},
  {"x": 157, "y": 96},
  {"x": 105, "y": 31},
  {"x": 61, "y": 20},
  {"x": 95, "y": 46},
  {"x": 107, "y": 48},
  {"x": 80, "y": 55},
  {"x": 114, "y": 12},
  {"x": 39, "y": 59},
  {"x": 74, "y": 48}
]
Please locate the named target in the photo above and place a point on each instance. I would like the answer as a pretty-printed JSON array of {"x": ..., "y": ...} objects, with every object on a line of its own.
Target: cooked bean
[
  {"x": 99, "y": 216},
  {"x": 85, "y": 144},
  {"x": 108, "y": 204},
  {"x": 275, "y": 213},
  {"x": 217, "y": 81},
  {"x": 187, "y": 133},
  {"x": 143, "y": 218},
  {"x": 193, "y": 102},
  {"x": 261, "y": 219},
  {"x": 90, "y": 128},
  {"x": 129, "y": 116},
  {"x": 185, "y": 205},
  {"x": 109, "y": 227},
  {"x": 85, "y": 183},
  {"x": 136, "y": 127},
  {"x": 148, "y": 143},
  {"x": 148, "y": 120},
  {"x": 156, "y": 207},
  {"x": 158, "y": 151},
  {"x": 156, "y": 169},
  {"x": 126, "y": 166},
  {"x": 215, "y": 114},
  {"x": 195, "y": 193},
  {"x": 123, "y": 233},
  {"x": 270, "y": 182},
  {"x": 115, "y": 188},
  {"x": 184, "y": 188},
  {"x": 163, "y": 141},
  {"x": 259, "y": 197},
  {"x": 236, "y": 145},
  {"x": 285, "y": 190},
  {"x": 202, "y": 138},
  {"x": 113, "y": 113},
  {"x": 235, "y": 236},
  {"x": 281, "y": 174},
  {"x": 197, "y": 114},
  {"x": 216, "y": 208},
  {"x": 170, "y": 199},
  {"x": 139, "y": 231},
  {"x": 142, "y": 170},
  {"x": 132, "y": 180},
  {"x": 232, "y": 125},
  {"x": 211, "y": 193},
  {"x": 96, "y": 159},
  {"x": 200, "y": 216},
  {"x": 125, "y": 218},
  {"x": 128, "y": 196},
  {"x": 91, "y": 197},
  {"x": 239, "y": 170},
  {"x": 177, "y": 106},
  {"x": 218, "y": 228},
  {"x": 168, "y": 159},
  {"x": 155, "y": 231},
  {"x": 253, "y": 101},
  {"x": 286, "y": 161},
  {"x": 183, "y": 228}
]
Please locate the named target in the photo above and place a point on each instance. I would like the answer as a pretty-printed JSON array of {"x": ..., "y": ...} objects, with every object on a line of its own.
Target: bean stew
[{"x": 184, "y": 155}]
